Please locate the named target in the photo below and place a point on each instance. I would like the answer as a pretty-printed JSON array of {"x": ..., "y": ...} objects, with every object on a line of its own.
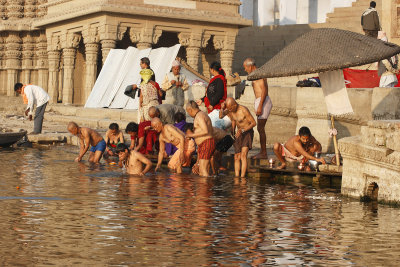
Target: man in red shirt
[{"x": 142, "y": 137}]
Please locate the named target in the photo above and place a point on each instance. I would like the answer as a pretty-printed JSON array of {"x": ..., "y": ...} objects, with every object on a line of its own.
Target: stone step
[{"x": 95, "y": 123}]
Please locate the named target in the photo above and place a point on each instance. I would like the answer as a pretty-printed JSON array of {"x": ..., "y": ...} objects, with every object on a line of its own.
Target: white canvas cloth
[{"x": 335, "y": 92}]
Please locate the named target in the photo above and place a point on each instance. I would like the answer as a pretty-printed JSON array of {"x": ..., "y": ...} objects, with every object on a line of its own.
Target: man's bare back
[
  {"x": 168, "y": 135},
  {"x": 134, "y": 164},
  {"x": 259, "y": 86},
  {"x": 297, "y": 148},
  {"x": 202, "y": 123},
  {"x": 94, "y": 137}
]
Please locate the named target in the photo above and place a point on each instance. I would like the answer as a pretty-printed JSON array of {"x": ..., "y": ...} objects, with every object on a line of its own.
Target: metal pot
[{"x": 314, "y": 164}]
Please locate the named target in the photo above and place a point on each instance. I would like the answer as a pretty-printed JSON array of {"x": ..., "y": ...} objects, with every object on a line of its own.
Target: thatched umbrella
[{"x": 324, "y": 51}]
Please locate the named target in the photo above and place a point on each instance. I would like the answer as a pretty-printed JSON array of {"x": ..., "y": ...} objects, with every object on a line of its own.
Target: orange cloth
[{"x": 23, "y": 95}]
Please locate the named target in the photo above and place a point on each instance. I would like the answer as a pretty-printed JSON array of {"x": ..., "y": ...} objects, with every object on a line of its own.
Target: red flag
[{"x": 362, "y": 78}]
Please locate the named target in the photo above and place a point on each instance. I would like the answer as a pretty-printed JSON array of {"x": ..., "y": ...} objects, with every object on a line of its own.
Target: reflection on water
[{"x": 56, "y": 211}]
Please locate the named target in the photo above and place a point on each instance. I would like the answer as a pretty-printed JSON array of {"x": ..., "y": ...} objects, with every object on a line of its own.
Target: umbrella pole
[{"x": 335, "y": 144}]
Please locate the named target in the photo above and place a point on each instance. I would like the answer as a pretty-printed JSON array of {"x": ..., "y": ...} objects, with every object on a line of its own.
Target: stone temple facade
[{"x": 61, "y": 45}]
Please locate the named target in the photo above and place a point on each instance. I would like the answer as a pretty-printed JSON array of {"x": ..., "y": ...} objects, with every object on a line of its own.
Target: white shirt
[{"x": 36, "y": 95}]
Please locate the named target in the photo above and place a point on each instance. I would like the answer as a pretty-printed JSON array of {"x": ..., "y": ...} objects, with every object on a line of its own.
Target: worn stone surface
[{"x": 373, "y": 157}]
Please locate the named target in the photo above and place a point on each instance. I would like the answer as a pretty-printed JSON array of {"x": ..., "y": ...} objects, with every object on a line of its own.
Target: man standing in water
[
  {"x": 88, "y": 137},
  {"x": 242, "y": 119},
  {"x": 203, "y": 136},
  {"x": 132, "y": 160},
  {"x": 169, "y": 134},
  {"x": 262, "y": 106}
]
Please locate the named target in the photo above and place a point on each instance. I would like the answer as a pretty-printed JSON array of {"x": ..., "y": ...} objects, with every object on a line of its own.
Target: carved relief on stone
[
  {"x": 90, "y": 35},
  {"x": 53, "y": 43},
  {"x": 225, "y": 42},
  {"x": 108, "y": 32},
  {"x": 41, "y": 8},
  {"x": 156, "y": 35},
  {"x": 70, "y": 40},
  {"x": 3, "y": 8},
  {"x": 121, "y": 30},
  {"x": 30, "y": 8},
  {"x": 15, "y": 9},
  {"x": 13, "y": 43},
  {"x": 141, "y": 35},
  {"x": 41, "y": 51}
]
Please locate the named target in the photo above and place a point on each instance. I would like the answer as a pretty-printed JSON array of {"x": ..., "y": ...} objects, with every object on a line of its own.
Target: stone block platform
[{"x": 371, "y": 162}]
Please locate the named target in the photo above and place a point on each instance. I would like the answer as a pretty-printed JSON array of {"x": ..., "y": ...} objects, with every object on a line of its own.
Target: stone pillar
[
  {"x": 54, "y": 66},
  {"x": 91, "y": 51},
  {"x": 27, "y": 58},
  {"x": 30, "y": 9},
  {"x": 13, "y": 60},
  {"x": 192, "y": 41},
  {"x": 15, "y": 9},
  {"x": 106, "y": 46},
  {"x": 143, "y": 45},
  {"x": 70, "y": 42},
  {"x": 192, "y": 56},
  {"x": 226, "y": 45},
  {"x": 41, "y": 63},
  {"x": 145, "y": 36},
  {"x": 226, "y": 60},
  {"x": 69, "y": 65}
]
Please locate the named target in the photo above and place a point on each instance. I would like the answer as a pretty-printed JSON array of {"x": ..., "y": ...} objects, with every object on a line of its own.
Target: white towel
[{"x": 335, "y": 92}]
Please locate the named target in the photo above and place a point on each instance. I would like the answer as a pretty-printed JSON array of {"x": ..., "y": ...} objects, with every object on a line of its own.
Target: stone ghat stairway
[
  {"x": 96, "y": 118},
  {"x": 349, "y": 18}
]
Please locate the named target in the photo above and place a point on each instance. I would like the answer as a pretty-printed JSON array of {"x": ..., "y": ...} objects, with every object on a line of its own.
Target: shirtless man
[
  {"x": 262, "y": 106},
  {"x": 203, "y": 136},
  {"x": 88, "y": 137},
  {"x": 244, "y": 121},
  {"x": 297, "y": 148},
  {"x": 169, "y": 134},
  {"x": 132, "y": 160}
]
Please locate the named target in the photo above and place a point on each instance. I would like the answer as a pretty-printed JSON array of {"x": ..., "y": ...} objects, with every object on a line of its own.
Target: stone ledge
[{"x": 385, "y": 133}]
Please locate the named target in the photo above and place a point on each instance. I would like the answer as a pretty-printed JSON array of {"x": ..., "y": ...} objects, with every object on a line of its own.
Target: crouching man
[
  {"x": 88, "y": 137},
  {"x": 169, "y": 134},
  {"x": 132, "y": 160},
  {"x": 298, "y": 148}
]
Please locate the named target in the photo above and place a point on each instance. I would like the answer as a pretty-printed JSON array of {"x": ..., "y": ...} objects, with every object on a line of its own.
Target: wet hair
[
  {"x": 132, "y": 127},
  {"x": 114, "y": 126},
  {"x": 192, "y": 104},
  {"x": 250, "y": 61},
  {"x": 372, "y": 4},
  {"x": 145, "y": 60},
  {"x": 18, "y": 86},
  {"x": 121, "y": 148},
  {"x": 304, "y": 131},
  {"x": 178, "y": 117},
  {"x": 188, "y": 126},
  {"x": 217, "y": 67}
]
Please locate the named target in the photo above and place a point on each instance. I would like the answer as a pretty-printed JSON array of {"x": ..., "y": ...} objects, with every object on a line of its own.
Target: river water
[{"x": 57, "y": 212}]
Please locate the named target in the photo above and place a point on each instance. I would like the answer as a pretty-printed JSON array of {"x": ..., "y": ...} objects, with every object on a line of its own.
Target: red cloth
[
  {"x": 159, "y": 93},
  {"x": 207, "y": 102},
  {"x": 150, "y": 137},
  {"x": 362, "y": 78},
  {"x": 206, "y": 149}
]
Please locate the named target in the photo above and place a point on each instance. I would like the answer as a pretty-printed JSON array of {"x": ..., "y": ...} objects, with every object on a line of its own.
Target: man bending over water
[
  {"x": 132, "y": 160},
  {"x": 297, "y": 148},
  {"x": 88, "y": 137},
  {"x": 244, "y": 121},
  {"x": 203, "y": 136},
  {"x": 169, "y": 134}
]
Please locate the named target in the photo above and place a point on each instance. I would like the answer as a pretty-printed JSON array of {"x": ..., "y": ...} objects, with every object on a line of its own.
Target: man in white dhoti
[
  {"x": 174, "y": 85},
  {"x": 262, "y": 106}
]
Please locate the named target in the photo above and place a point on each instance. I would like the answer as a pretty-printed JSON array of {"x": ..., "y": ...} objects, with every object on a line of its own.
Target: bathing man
[
  {"x": 132, "y": 160},
  {"x": 297, "y": 148},
  {"x": 244, "y": 122},
  {"x": 169, "y": 134},
  {"x": 88, "y": 137},
  {"x": 203, "y": 136},
  {"x": 262, "y": 106}
]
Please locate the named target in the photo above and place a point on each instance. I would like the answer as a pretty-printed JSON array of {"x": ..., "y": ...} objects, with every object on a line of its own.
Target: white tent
[{"x": 122, "y": 68}]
